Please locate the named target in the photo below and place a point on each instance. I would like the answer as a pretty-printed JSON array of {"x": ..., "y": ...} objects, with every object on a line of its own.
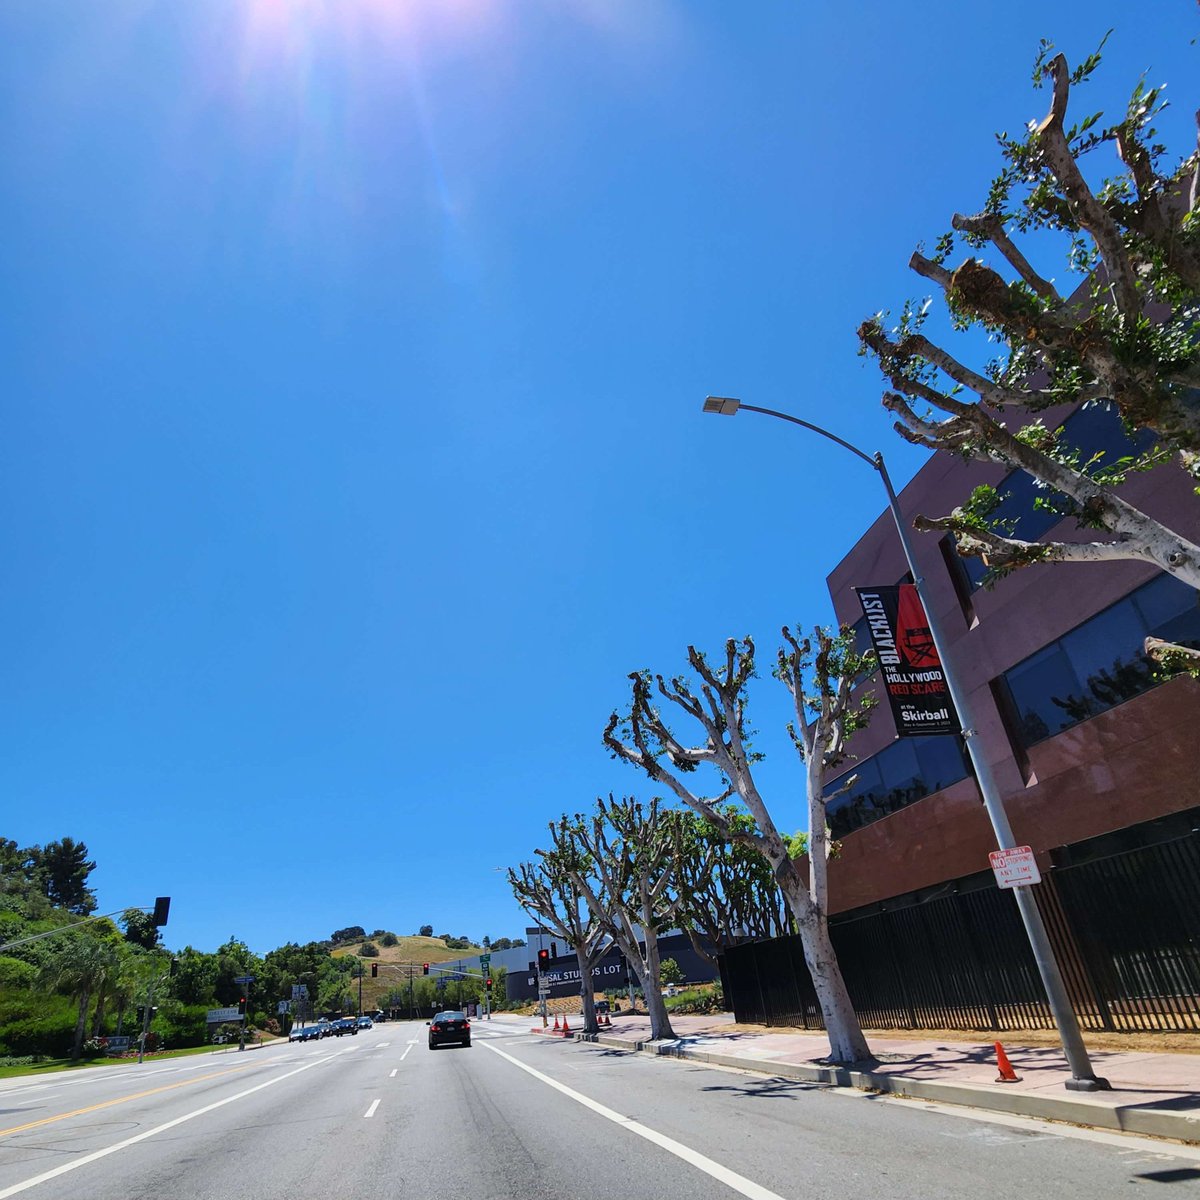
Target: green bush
[
  {"x": 16, "y": 974},
  {"x": 389, "y": 939},
  {"x": 38, "y": 1035},
  {"x": 368, "y": 950},
  {"x": 696, "y": 1000},
  {"x": 182, "y": 1025},
  {"x": 36, "y": 1023}
]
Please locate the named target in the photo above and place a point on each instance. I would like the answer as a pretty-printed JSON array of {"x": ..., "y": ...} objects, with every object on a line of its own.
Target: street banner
[{"x": 912, "y": 672}]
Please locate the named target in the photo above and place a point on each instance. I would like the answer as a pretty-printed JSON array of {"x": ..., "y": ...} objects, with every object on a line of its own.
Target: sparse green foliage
[
  {"x": 1125, "y": 334},
  {"x": 671, "y": 972}
]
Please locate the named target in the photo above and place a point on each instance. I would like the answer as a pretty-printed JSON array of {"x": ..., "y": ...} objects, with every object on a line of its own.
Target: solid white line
[
  {"x": 406, "y": 1050},
  {"x": 371, "y": 1111},
  {"x": 392, "y": 1075},
  {"x": 382, "y": 1044},
  {"x": 141, "y": 1137},
  {"x": 739, "y": 1183},
  {"x": 1106, "y": 1137}
]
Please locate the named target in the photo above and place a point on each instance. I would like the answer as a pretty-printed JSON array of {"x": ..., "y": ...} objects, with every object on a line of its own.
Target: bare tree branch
[{"x": 991, "y": 226}]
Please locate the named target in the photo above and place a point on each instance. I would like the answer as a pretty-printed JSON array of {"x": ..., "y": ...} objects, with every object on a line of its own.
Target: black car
[
  {"x": 449, "y": 1027},
  {"x": 345, "y": 1025}
]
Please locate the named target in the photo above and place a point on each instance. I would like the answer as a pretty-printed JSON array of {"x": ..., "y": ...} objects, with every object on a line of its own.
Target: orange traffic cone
[
  {"x": 566, "y": 1029},
  {"x": 556, "y": 1025},
  {"x": 1007, "y": 1074}
]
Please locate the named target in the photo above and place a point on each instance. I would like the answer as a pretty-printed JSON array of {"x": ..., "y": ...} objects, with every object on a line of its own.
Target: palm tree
[{"x": 81, "y": 965}]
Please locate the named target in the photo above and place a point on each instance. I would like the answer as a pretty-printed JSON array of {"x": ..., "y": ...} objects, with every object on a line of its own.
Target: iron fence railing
[{"x": 1125, "y": 928}]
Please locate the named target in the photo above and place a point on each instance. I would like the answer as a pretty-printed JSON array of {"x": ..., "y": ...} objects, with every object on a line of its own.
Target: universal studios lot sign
[{"x": 908, "y": 660}]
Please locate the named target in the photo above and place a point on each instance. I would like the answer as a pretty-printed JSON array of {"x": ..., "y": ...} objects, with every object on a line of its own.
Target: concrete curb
[{"x": 1131, "y": 1118}]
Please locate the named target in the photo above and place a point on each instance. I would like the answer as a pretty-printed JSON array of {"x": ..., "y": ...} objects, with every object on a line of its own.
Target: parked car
[
  {"x": 296, "y": 1034},
  {"x": 323, "y": 1029},
  {"x": 345, "y": 1025},
  {"x": 449, "y": 1027},
  {"x": 365, "y": 1023},
  {"x": 309, "y": 1033}
]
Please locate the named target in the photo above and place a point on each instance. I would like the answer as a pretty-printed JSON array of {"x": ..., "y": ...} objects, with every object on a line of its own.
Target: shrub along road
[{"x": 519, "y": 1116}]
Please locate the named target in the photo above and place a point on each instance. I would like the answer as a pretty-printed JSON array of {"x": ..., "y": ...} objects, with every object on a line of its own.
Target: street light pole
[{"x": 1083, "y": 1077}]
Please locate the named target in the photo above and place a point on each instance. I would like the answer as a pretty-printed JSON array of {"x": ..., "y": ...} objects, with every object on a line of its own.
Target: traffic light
[
  {"x": 241, "y": 1006},
  {"x": 489, "y": 984},
  {"x": 424, "y": 968},
  {"x": 162, "y": 906},
  {"x": 543, "y": 959},
  {"x": 141, "y": 1014},
  {"x": 374, "y": 970}
]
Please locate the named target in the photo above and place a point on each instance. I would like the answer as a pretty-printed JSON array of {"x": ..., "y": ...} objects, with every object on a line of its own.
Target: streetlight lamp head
[{"x": 725, "y": 405}]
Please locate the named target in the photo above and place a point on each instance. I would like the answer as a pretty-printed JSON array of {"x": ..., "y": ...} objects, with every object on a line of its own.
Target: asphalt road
[{"x": 527, "y": 1118}]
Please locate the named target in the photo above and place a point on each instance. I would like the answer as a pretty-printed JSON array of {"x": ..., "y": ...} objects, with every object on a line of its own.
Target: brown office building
[{"x": 1082, "y": 739}]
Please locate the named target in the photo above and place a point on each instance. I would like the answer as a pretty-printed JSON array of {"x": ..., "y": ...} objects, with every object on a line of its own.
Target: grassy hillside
[{"x": 407, "y": 950}]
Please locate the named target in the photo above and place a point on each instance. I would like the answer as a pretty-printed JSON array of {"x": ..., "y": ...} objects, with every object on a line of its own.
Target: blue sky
[{"x": 351, "y": 363}]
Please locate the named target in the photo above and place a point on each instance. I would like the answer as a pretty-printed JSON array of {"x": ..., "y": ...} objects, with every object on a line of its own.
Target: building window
[
  {"x": 906, "y": 771},
  {"x": 962, "y": 576},
  {"x": 1100, "y": 663}
]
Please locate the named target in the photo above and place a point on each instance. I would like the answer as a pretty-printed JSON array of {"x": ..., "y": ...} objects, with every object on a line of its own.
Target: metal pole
[
  {"x": 146, "y": 1014},
  {"x": 1083, "y": 1077},
  {"x": 541, "y": 994}
]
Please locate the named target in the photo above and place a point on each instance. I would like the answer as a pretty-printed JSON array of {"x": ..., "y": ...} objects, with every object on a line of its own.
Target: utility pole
[
  {"x": 1083, "y": 1077},
  {"x": 147, "y": 1015}
]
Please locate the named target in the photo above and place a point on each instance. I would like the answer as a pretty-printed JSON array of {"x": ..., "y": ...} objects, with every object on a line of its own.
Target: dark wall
[{"x": 609, "y": 974}]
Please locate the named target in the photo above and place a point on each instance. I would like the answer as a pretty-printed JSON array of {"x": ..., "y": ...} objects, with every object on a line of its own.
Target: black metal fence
[{"x": 1125, "y": 928}]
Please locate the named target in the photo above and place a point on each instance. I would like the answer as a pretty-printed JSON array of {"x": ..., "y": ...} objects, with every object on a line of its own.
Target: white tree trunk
[
  {"x": 587, "y": 991},
  {"x": 847, "y": 1043}
]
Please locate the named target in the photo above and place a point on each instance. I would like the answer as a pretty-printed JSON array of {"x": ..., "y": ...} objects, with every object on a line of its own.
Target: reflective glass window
[
  {"x": 1100, "y": 663},
  {"x": 902, "y": 773}
]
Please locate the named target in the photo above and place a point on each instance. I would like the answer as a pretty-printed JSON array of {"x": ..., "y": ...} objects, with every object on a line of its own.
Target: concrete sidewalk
[{"x": 1152, "y": 1094}]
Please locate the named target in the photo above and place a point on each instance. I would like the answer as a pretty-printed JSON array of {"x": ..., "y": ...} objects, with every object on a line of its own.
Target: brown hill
[{"x": 395, "y": 960}]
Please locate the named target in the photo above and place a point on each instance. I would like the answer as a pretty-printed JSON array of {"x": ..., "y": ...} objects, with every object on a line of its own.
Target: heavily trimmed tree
[
  {"x": 548, "y": 892},
  {"x": 1125, "y": 335},
  {"x": 728, "y": 889},
  {"x": 820, "y": 674},
  {"x": 623, "y": 865}
]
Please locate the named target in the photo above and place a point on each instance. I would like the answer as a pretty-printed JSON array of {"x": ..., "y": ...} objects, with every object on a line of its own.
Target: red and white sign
[{"x": 1014, "y": 867}]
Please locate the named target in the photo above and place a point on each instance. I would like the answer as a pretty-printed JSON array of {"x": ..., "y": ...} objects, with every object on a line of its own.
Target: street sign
[
  {"x": 284, "y": 1005},
  {"x": 299, "y": 991},
  {"x": 217, "y": 1015},
  {"x": 1014, "y": 867},
  {"x": 485, "y": 961},
  {"x": 243, "y": 979}
]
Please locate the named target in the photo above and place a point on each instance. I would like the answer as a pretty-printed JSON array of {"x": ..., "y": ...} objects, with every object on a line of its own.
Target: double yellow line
[{"x": 166, "y": 1087}]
